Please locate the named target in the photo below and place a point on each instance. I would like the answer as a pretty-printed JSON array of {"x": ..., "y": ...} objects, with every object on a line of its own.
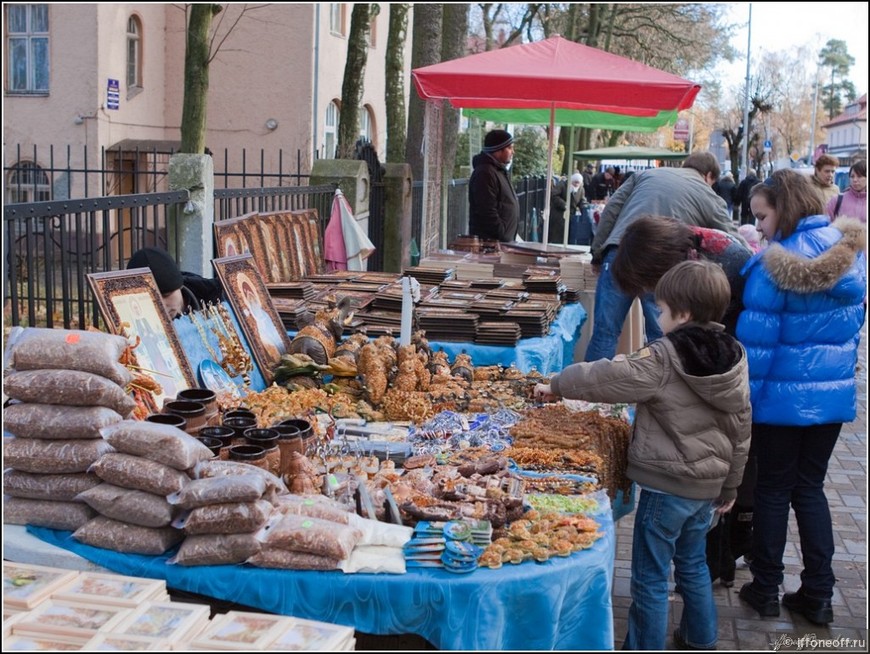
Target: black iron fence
[
  {"x": 49, "y": 248},
  {"x": 35, "y": 174},
  {"x": 531, "y": 193}
]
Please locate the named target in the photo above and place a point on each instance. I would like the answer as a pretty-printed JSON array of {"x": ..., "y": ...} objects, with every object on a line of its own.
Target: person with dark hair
[
  {"x": 823, "y": 177},
  {"x": 742, "y": 196},
  {"x": 804, "y": 308},
  {"x": 689, "y": 445},
  {"x": 180, "y": 291},
  {"x": 681, "y": 193},
  {"x": 726, "y": 189},
  {"x": 493, "y": 207},
  {"x": 853, "y": 201},
  {"x": 652, "y": 245},
  {"x": 588, "y": 174}
]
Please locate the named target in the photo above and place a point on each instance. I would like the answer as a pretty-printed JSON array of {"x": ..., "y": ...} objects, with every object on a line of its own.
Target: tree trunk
[
  {"x": 352, "y": 86},
  {"x": 426, "y": 51},
  {"x": 395, "y": 83},
  {"x": 196, "y": 57},
  {"x": 453, "y": 39}
]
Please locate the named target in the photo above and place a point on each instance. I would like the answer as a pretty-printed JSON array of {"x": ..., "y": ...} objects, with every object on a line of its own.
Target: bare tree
[
  {"x": 395, "y": 83},
  {"x": 196, "y": 61},
  {"x": 426, "y": 50},
  {"x": 453, "y": 46},
  {"x": 204, "y": 41},
  {"x": 352, "y": 86}
]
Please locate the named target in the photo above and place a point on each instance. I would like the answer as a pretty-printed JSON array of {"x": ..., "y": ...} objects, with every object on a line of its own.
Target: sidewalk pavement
[{"x": 740, "y": 627}]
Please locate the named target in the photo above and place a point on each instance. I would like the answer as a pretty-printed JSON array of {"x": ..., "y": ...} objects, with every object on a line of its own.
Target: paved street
[{"x": 740, "y": 628}]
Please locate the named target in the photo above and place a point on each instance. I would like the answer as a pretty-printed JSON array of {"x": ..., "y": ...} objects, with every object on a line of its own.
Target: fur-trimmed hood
[{"x": 793, "y": 272}]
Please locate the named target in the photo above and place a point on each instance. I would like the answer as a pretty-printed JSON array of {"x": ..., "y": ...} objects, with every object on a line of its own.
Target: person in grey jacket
[
  {"x": 493, "y": 208},
  {"x": 689, "y": 445},
  {"x": 682, "y": 193}
]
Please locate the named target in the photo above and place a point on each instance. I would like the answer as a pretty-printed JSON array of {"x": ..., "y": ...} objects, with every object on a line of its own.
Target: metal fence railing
[
  {"x": 49, "y": 249},
  {"x": 531, "y": 192}
]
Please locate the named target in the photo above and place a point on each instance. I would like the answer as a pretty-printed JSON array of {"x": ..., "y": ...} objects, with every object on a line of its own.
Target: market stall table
[
  {"x": 564, "y": 603},
  {"x": 546, "y": 354}
]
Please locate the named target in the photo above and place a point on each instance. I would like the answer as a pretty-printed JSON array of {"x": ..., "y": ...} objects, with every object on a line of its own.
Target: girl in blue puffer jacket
[{"x": 804, "y": 308}]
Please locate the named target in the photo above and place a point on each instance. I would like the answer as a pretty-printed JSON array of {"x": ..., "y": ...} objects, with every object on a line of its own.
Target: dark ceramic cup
[
  {"x": 214, "y": 444},
  {"x": 168, "y": 419}
]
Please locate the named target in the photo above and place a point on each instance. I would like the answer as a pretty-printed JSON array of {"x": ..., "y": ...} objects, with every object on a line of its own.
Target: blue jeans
[
  {"x": 792, "y": 464},
  {"x": 670, "y": 528},
  {"x": 611, "y": 308}
]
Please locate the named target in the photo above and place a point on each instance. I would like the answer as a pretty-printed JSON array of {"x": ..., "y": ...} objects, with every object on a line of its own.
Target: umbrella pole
[
  {"x": 549, "y": 175},
  {"x": 568, "y": 153}
]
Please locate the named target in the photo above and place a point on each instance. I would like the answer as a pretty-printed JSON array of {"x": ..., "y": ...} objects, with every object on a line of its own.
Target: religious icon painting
[
  {"x": 252, "y": 304},
  {"x": 230, "y": 240},
  {"x": 130, "y": 305},
  {"x": 276, "y": 247}
]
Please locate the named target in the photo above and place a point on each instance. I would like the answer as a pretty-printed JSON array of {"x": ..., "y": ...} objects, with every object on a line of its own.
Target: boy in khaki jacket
[{"x": 689, "y": 444}]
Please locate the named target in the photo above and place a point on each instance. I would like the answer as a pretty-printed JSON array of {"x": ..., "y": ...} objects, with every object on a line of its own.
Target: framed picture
[
  {"x": 26, "y": 585},
  {"x": 241, "y": 630},
  {"x": 69, "y": 620},
  {"x": 171, "y": 621},
  {"x": 276, "y": 245},
  {"x": 129, "y": 301},
  {"x": 108, "y": 642},
  {"x": 230, "y": 239},
  {"x": 116, "y": 590},
  {"x": 255, "y": 311},
  {"x": 312, "y": 635}
]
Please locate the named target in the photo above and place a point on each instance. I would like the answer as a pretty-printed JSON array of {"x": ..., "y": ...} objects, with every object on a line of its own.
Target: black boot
[
  {"x": 767, "y": 606},
  {"x": 818, "y": 611}
]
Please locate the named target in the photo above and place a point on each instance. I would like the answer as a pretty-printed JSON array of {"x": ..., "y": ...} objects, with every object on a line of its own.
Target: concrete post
[
  {"x": 192, "y": 235},
  {"x": 397, "y": 216},
  {"x": 352, "y": 177}
]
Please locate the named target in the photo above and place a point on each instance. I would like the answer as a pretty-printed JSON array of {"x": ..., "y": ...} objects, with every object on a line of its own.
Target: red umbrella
[{"x": 558, "y": 74}]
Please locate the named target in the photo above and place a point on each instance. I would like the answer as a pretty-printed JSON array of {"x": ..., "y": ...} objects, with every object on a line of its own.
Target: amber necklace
[
  {"x": 236, "y": 361},
  {"x": 199, "y": 319}
]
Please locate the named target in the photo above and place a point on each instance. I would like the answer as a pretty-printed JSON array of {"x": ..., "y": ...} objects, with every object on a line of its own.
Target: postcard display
[{"x": 54, "y": 609}]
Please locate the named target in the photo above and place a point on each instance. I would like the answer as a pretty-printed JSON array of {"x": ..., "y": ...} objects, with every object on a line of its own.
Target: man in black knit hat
[
  {"x": 181, "y": 291},
  {"x": 493, "y": 206}
]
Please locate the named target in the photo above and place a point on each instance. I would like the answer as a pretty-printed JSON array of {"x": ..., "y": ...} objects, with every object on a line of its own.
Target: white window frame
[
  {"x": 134, "y": 53},
  {"x": 365, "y": 123},
  {"x": 27, "y": 182},
  {"x": 330, "y": 130},
  {"x": 336, "y": 18},
  {"x": 29, "y": 42}
]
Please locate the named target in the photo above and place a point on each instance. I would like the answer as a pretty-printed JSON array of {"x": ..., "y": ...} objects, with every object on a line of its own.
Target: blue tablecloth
[
  {"x": 547, "y": 354},
  {"x": 564, "y": 603}
]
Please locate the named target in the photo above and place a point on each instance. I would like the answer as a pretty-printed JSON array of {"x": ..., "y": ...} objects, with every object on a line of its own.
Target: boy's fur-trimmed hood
[{"x": 793, "y": 272}]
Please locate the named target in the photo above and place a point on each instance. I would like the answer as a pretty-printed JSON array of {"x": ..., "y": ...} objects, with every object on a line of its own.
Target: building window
[
  {"x": 134, "y": 53},
  {"x": 27, "y": 48},
  {"x": 330, "y": 130},
  {"x": 27, "y": 182},
  {"x": 366, "y": 124},
  {"x": 336, "y": 18}
]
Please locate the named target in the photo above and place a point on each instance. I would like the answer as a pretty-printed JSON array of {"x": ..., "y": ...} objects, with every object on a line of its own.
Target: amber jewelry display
[
  {"x": 200, "y": 321},
  {"x": 235, "y": 360}
]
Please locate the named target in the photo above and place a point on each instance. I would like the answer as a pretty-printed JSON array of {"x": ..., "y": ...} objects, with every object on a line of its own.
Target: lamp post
[{"x": 744, "y": 154}]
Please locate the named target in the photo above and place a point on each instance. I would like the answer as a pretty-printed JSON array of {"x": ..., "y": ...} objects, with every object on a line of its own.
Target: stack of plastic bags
[
  {"x": 150, "y": 461},
  {"x": 64, "y": 387}
]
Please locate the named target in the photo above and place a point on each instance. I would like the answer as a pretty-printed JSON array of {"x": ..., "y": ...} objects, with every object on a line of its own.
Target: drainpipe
[{"x": 316, "y": 78}]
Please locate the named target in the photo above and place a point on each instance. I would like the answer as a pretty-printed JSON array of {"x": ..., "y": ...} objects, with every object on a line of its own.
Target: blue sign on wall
[{"x": 113, "y": 94}]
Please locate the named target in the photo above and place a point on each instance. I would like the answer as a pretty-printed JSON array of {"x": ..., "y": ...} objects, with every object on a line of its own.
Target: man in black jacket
[
  {"x": 493, "y": 206},
  {"x": 180, "y": 291}
]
